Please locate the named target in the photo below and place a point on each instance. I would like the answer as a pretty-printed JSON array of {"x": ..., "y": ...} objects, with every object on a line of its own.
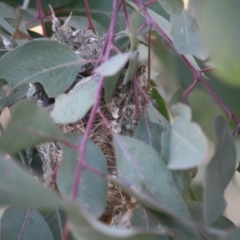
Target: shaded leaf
[
  {"x": 220, "y": 171},
  {"x": 84, "y": 227},
  {"x": 223, "y": 45},
  {"x": 186, "y": 35},
  {"x": 233, "y": 235},
  {"x": 113, "y": 65},
  {"x": 149, "y": 132},
  {"x": 92, "y": 192},
  {"x": 196, "y": 210},
  {"x": 110, "y": 84},
  {"x": 13, "y": 220},
  {"x": 188, "y": 145},
  {"x": 132, "y": 67},
  {"x": 56, "y": 220},
  {"x": 141, "y": 165},
  {"x": 8, "y": 97},
  {"x": 172, "y": 7},
  {"x": 71, "y": 107},
  {"x": 140, "y": 218},
  {"x": 18, "y": 188},
  {"x": 48, "y": 62},
  {"x": 183, "y": 228},
  {"x": 29, "y": 125}
]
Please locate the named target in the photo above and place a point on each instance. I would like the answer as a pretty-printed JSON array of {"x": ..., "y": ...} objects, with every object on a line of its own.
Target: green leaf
[
  {"x": 183, "y": 227},
  {"x": 233, "y": 235},
  {"x": 13, "y": 220},
  {"x": 110, "y": 84},
  {"x": 142, "y": 166},
  {"x": 223, "y": 45},
  {"x": 161, "y": 104},
  {"x": 172, "y": 7},
  {"x": 132, "y": 67},
  {"x": 140, "y": 218},
  {"x": 48, "y": 62},
  {"x": 92, "y": 192},
  {"x": 196, "y": 210},
  {"x": 56, "y": 220},
  {"x": 71, "y": 107},
  {"x": 188, "y": 145},
  {"x": 186, "y": 35},
  {"x": 149, "y": 132},
  {"x": 18, "y": 188},
  {"x": 84, "y": 227},
  {"x": 25, "y": 223},
  {"x": 9, "y": 97},
  {"x": 220, "y": 171},
  {"x": 113, "y": 65},
  {"x": 29, "y": 125}
]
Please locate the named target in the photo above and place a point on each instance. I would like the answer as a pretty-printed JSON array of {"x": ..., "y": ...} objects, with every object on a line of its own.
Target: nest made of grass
[{"x": 120, "y": 112}]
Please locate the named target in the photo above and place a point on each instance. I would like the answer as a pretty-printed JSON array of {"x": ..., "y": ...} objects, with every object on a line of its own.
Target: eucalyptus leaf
[
  {"x": 140, "y": 218},
  {"x": 29, "y": 125},
  {"x": 188, "y": 145},
  {"x": 71, "y": 107},
  {"x": 113, "y": 65},
  {"x": 233, "y": 235},
  {"x": 223, "y": 45},
  {"x": 186, "y": 35},
  {"x": 110, "y": 84},
  {"x": 132, "y": 67},
  {"x": 19, "y": 188},
  {"x": 220, "y": 171},
  {"x": 92, "y": 191},
  {"x": 141, "y": 165},
  {"x": 48, "y": 62},
  {"x": 35, "y": 226},
  {"x": 172, "y": 7},
  {"x": 84, "y": 227}
]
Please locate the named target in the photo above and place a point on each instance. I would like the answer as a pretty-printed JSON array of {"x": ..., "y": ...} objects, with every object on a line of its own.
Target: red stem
[
  {"x": 126, "y": 15},
  {"x": 197, "y": 73},
  {"x": 106, "y": 54}
]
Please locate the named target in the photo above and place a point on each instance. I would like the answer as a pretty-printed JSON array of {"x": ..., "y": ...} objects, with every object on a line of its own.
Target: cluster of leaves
[{"x": 155, "y": 165}]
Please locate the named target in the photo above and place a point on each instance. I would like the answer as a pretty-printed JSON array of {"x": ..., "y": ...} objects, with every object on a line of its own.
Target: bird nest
[{"x": 120, "y": 113}]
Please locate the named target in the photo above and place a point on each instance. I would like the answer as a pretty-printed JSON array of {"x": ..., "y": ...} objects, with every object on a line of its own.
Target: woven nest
[{"x": 120, "y": 113}]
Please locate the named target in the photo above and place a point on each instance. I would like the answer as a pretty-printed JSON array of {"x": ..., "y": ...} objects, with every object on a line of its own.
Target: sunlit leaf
[
  {"x": 219, "y": 171},
  {"x": 35, "y": 227},
  {"x": 71, "y": 107},
  {"x": 188, "y": 145},
  {"x": 48, "y": 62}
]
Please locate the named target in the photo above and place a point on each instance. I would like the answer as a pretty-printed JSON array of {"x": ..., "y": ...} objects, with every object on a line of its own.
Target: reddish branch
[
  {"x": 107, "y": 48},
  {"x": 197, "y": 73}
]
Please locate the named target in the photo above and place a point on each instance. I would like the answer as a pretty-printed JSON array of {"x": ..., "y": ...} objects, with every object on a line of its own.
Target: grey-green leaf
[
  {"x": 142, "y": 166},
  {"x": 92, "y": 192},
  {"x": 71, "y": 107},
  {"x": 132, "y": 67},
  {"x": 18, "y": 188},
  {"x": 186, "y": 35},
  {"x": 113, "y": 65},
  {"x": 29, "y": 125},
  {"x": 219, "y": 171},
  {"x": 188, "y": 145},
  {"x": 24, "y": 223},
  {"x": 48, "y": 62},
  {"x": 172, "y": 7}
]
